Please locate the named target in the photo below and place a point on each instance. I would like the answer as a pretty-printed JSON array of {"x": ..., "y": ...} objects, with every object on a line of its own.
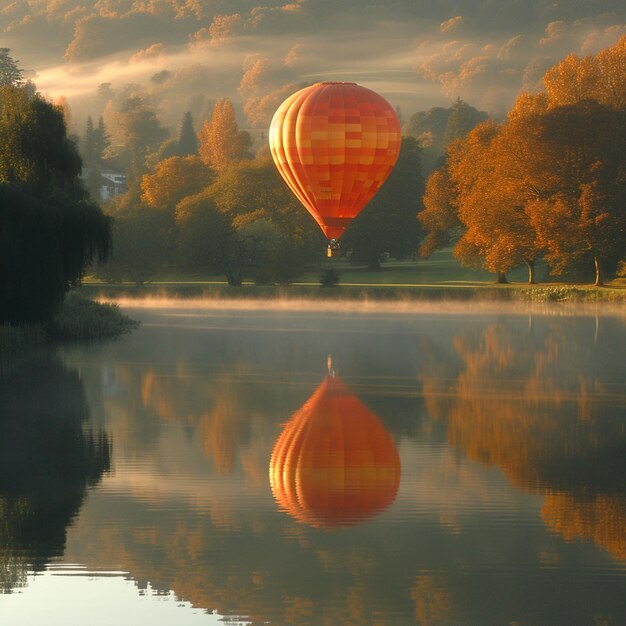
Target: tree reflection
[
  {"x": 334, "y": 463},
  {"x": 47, "y": 460},
  {"x": 536, "y": 407}
]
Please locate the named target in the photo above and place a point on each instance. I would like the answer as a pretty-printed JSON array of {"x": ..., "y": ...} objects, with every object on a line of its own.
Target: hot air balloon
[
  {"x": 335, "y": 144},
  {"x": 334, "y": 463}
]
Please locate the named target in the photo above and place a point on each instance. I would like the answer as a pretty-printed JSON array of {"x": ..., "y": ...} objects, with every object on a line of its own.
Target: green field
[{"x": 440, "y": 276}]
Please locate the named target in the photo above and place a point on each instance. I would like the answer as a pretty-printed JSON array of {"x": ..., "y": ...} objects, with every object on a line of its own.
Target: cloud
[
  {"x": 489, "y": 73},
  {"x": 155, "y": 51},
  {"x": 294, "y": 54},
  {"x": 452, "y": 25}
]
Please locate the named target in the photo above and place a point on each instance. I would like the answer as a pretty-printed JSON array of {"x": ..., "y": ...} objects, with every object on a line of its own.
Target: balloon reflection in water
[{"x": 334, "y": 464}]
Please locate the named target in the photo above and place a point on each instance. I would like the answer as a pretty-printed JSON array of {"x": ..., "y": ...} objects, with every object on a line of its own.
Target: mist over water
[{"x": 369, "y": 306}]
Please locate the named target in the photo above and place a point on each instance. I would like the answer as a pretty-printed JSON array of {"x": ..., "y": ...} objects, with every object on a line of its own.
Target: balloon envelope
[
  {"x": 334, "y": 463},
  {"x": 335, "y": 144}
]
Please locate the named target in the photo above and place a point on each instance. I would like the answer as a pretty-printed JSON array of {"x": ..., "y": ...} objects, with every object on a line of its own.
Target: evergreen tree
[
  {"x": 10, "y": 73},
  {"x": 101, "y": 141},
  {"x": 187, "y": 139},
  {"x": 462, "y": 119},
  {"x": 88, "y": 151}
]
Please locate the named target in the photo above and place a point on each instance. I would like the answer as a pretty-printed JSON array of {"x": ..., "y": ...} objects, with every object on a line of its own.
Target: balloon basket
[{"x": 333, "y": 249}]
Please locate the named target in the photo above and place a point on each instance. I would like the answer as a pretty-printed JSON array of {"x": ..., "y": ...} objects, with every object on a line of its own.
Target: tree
[
  {"x": 209, "y": 240},
  {"x": 10, "y": 74},
  {"x": 255, "y": 185},
  {"x": 601, "y": 78},
  {"x": 551, "y": 178},
  {"x": 387, "y": 224},
  {"x": 50, "y": 230},
  {"x": 247, "y": 224},
  {"x": 436, "y": 127},
  {"x": 187, "y": 138},
  {"x": 144, "y": 239},
  {"x": 439, "y": 217},
  {"x": 101, "y": 141},
  {"x": 94, "y": 144},
  {"x": 141, "y": 132},
  {"x": 578, "y": 178},
  {"x": 172, "y": 180},
  {"x": 221, "y": 141},
  {"x": 462, "y": 119},
  {"x": 491, "y": 203}
]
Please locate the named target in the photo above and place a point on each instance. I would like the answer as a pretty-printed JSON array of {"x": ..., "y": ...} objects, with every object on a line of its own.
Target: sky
[{"x": 184, "y": 54}]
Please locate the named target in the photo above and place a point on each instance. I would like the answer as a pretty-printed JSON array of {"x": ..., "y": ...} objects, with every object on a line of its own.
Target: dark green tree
[
  {"x": 50, "y": 229},
  {"x": 10, "y": 74},
  {"x": 95, "y": 142},
  {"x": 187, "y": 138},
  {"x": 462, "y": 119},
  {"x": 209, "y": 241},
  {"x": 101, "y": 140},
  {"x": 144, "y": 239},
  {"x": 88, "y": 151},
  {"x": 434, "y": 127},
  {"x": 387, "y": 224},
  {"x": 254, "y": 188},
  {"x": 142, "y": 133}
]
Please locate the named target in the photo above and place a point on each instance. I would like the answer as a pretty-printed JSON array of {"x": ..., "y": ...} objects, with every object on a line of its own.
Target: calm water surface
[{"x": 214, "y": 466}]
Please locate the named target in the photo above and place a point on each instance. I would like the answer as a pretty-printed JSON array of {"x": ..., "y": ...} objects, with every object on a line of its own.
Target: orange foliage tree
[
  {"x": 551, "y": 178},
  {"x": 221, "y": 141},
  {"x": 174, "y": 179}
]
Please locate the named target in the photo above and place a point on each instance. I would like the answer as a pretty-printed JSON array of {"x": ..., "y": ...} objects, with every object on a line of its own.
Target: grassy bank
[
  {"x": 78, "y": 319},
  {"x": 82, "y": 319},
  {"x": 389, "y": 291},
  {"x": 438, "y": 278}
]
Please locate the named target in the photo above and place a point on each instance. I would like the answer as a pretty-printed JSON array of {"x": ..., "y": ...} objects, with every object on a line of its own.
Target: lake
[{"x": 255, "y": 463}]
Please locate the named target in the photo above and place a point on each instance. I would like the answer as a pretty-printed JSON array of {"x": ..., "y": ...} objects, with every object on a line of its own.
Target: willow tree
[{"x": 50, "y": 230}]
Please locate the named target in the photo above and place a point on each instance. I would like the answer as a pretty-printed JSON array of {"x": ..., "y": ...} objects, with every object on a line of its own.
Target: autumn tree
[
  {"x": 256, "y": 187},
  {"x": 491, "y": 203},
  {"x": 439, "y": 218},
  {"x": 551, "y": 178},
  {"x": 578, "y": 183},
  {"x": 221, "y": 141},
  {"x": 601, "y": 78},
  {"x": 172, "y": 180}
]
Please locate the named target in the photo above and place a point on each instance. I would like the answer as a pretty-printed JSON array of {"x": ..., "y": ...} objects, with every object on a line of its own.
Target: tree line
[
  {"x": 548, "y": 182},
  {"x": 204, "y": 203}
]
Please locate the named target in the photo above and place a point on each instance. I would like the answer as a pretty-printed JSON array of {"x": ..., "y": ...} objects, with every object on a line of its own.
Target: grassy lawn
[{"x": 437, "y": 277}]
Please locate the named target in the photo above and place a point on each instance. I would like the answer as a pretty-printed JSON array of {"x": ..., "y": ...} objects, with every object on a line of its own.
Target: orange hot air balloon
[
  {"x": 334, "y": 464},
  {"x": 335, "y": 144}
]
